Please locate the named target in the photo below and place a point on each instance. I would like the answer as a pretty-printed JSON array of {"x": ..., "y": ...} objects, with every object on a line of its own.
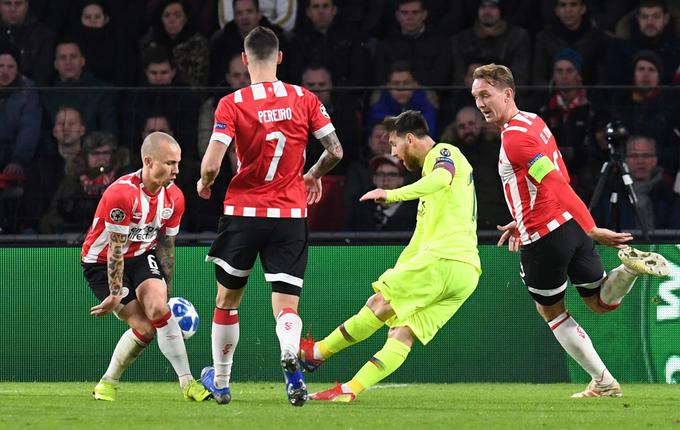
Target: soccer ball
[{"x": 185, "y": 314}]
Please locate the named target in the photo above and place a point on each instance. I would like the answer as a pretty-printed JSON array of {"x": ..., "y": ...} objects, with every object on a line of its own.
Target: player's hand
[
  {"x": 510, "y": 234},
  {"x": 314, "y": 188},
  {"x": 204, "y": 192},
  {"x": 610, "y": 238},
  {"x": 378, "y": 195},
  {"x": 106, "y": 307}
]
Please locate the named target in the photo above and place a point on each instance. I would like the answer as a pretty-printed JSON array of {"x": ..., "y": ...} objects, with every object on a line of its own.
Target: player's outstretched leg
[
  {"x": 380, "y": 366},
  {"x": 578, "y": 345},
  {"x": 128, "y": 348},
  {"x": 221, "y": 395},
  {"x": 620, "y": 280},
  {"x": 356, "y": 329}
]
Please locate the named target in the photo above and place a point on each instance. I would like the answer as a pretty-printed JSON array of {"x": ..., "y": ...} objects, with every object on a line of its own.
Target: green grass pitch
[{"x": 403, "y": 407}]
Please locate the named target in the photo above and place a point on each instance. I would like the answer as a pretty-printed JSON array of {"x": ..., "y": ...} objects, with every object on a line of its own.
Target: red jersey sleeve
[
  {"x": 319, "y": 120},
  {"x": 117, "y": 206},
  {"x": 521, "y": 149},
  {"x": 225, "y": 118},
  {"x": 171, "y": 226}
]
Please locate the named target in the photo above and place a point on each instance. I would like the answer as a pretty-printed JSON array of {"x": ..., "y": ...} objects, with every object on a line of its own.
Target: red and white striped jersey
[
  {"x": 269, "y": 123},
  {"x": 524, "y": 140},
  {"x": 127, "y": 208}
]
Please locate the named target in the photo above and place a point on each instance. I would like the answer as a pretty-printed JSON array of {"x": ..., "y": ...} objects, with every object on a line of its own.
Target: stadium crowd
[{"x": 82, "y": 83}]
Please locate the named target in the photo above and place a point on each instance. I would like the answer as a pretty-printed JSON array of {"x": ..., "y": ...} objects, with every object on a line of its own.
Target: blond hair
[{"x": 495, "y": 75}]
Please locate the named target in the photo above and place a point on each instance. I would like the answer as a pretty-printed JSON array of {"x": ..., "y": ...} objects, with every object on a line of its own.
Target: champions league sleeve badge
[{"x": 117, "y": 215}]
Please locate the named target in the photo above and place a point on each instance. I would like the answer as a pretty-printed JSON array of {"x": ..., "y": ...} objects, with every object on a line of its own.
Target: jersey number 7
[{"x": 278, "y": 152}]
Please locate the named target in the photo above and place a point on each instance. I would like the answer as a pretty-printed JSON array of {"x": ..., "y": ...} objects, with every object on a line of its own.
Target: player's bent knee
[
  {"x": 380, "y": 306},
  {"x": 551, "y": 311},
  {"x": 403, "y": 335}
]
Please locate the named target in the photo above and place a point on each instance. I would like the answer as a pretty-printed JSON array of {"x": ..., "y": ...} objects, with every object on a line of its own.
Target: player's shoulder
[
  {"x": 443, "y": 149},
  {"x": 522, "y": 127},
  {"x": 127, "y": 185},
  {"x": 174, "y": 192},
  {"x": 297, "y": 90}
]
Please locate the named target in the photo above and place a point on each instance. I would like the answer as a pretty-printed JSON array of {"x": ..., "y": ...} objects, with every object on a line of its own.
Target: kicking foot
[
  {"x": 296, "y": 390},
  {"x": 307, "y": 360},
  {"x": 596, "y": 390},
  {"x": 195, "y": 391},
  {"x": 105, "y": 390},
  {"x": 644, "y": 263},
  {"x": 335, "y": 394},
  {"x": 221, "y": 395}
]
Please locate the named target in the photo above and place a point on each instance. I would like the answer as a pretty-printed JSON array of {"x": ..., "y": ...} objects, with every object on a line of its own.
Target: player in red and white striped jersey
[
  {"x": 136, "y": 222},
  {"x": 552, "y": 227},
  {"x": 265, "y": 208}
]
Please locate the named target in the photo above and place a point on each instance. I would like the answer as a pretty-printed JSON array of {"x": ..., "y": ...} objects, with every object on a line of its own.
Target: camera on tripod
[{"x": 617, "y": 135}]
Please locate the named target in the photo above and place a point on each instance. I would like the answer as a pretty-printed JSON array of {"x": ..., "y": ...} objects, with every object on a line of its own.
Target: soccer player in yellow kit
[{"x": 435, "y": 273}]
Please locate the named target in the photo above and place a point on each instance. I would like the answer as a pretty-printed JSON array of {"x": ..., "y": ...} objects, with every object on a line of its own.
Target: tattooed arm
[
  {"x": 114, "y": 266},
  {"x": 330, "y": 157},
  {"x": 165, "y": 253}
]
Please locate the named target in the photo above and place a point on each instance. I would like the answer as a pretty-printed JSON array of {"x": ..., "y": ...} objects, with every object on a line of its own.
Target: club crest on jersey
[
  {"x": 220, "y": 126},
  {"x": 324, "y": 112},
  {"x": 166, "y": 213},
  {"x": 445, "y": 152},
  {"x": 117, "y": 215}
]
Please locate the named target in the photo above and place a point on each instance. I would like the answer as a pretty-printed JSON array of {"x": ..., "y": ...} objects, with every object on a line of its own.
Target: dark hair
[
  {"x": 316, "y": 66},
  {"x": 401, "y": 2},
  {"x": 410, "y": 121},
  {"x": 401, "y": 66},
  {"x": 255, "y": 2},
  {"x": 653, "y": 3},
  {"x": 158, "y": 55},
  {"x": 99, "y": 138},
  {"x": 71, "y": 108},
  {"x": 261, "y": 43}
]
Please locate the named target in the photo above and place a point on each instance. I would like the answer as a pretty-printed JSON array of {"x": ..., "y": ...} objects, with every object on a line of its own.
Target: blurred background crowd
[{"x": 83, "y": 82}]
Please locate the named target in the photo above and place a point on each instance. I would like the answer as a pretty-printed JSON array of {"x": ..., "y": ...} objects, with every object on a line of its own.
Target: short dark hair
[
  {"x": 410, "y": 121},
  {"x": 261, "y": 43},
  {"x": 401, "y": 2},
  {"x": 255, "y": 2},
  {"x": 158, "y": 55},
  {"x": 653, "y": 3}
]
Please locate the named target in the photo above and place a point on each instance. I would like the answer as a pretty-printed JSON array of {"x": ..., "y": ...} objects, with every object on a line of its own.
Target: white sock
[
  {"x": 128, "y": 348},
  {"x": 225, "y": 334},
  {"x": 288, "y": 330},
  {"x": 171, "y": 344},
  {"x": 618, "y": 283},
  {"x": 578, "y": 345}
]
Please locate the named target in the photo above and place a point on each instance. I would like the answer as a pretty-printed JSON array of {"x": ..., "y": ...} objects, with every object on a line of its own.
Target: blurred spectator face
[
  {"x": 652, "y": 21},
  {"x": 377, "y": 141},
  {"x": 467, "y": 79},
  {"x": 319, "y": 82},
  {"x": 174, "y": 18},
  {"x": 321, "y": 13},
  {"x": 237, "y": 76},
  {"x": 401, "y": 80},
  {"x": 468, "y": 126},
  {"x": 641, "y": 158},
  {"x": 93, "y": 16},
  {"x": 156, "y": 123},
  {"x": 565, "y": 75},
  {"x": 246, "y": 16},
  {"x": 387, "y": 176},
  {"x": 411, "y": 17},
  {"x": 69, "y": 61},
  {"x": 160, "y": 73},
  {"x": 646, "y": 75},
  {"x": 570, "y": 13},
  {"x": 68, "y": 130},
  {"x": 100, "y": 157},
  {"x": 8, "y": 70},
  {"x": 13, "y": 12},
  {"x": 488, "y": 14}
]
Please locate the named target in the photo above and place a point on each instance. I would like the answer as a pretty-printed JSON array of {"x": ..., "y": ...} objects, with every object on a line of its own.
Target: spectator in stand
[
  {"x": 387, "y": 173},
  {"x": 569, "y": 112},
  {"x": 281, "y": 13},
  {"x": 493, "y": 38},
  {"x": 179, "y": 106},
  {"x": 229, "y": 40},
  {"x": 203, "y": 11},
  {"x": 86, "y": 177},
  {"x": 426, "y": 51},
  {"x": 34, "y": 39},
  {"x": 19, "y": 132},
  {"x": 98, "y": 106},
  {"x": 324, "y": 40},
  {"x": 571, "y": 27},
  {"x": 651, "y": 30},
  {"x": 480, "y": 144},
  {"x": 647, "y": 110},
  {"x": 345, "y": 110},
  {"x": 658, "y": 203},
  {"x": 173, "y": 28},
  {"x": 108, "y": 53},
  {"x": 393, "y": 101}
]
